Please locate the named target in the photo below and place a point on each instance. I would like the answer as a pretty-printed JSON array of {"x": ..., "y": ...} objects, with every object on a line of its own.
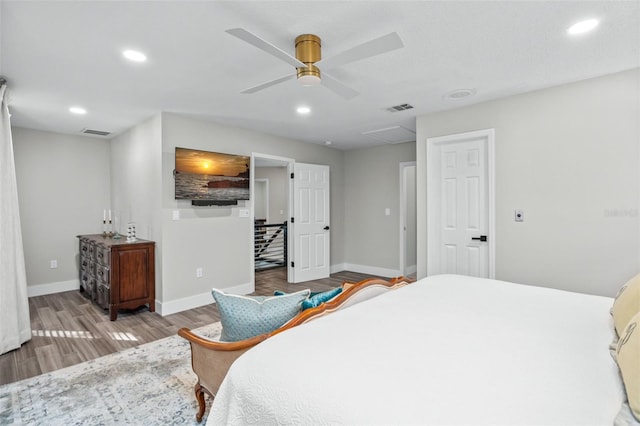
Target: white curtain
[{"x": 15, "y": 327}]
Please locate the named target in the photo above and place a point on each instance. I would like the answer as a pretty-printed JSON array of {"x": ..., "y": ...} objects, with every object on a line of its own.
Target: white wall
[
  {"x": 136, "y": 184},
  {"x": 215, "y": 238},
  {"x": 372, "y": 182},
  {"x": 278, "y": 185},
  {"x": 63, "y": 188},
  {"x": 569, "y": 156}
]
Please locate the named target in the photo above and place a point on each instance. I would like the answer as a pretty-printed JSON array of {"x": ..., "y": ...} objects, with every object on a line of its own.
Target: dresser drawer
[
  {"x": 84, "y": 247},
  {"x": 104, "y": 296},
  {"x": 85, "y": 263},
  {"x": 102, "y": 274},
  {"x": 103, "y": 255}
]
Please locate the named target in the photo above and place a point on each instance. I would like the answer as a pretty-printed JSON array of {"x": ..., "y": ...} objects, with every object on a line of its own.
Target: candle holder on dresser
[
  {"x": 131, "y": 232},
  {"x": 110, "y": 230},
  {"x": 105, "y": 234},
  {"x": 116, "y": 226}
]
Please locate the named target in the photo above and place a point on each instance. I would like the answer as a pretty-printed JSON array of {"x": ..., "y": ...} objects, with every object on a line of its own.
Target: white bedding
[{"x": 445, "y": 350}]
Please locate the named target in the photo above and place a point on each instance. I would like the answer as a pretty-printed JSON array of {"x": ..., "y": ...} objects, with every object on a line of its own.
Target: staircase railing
[{"x": 270, "y": 245}]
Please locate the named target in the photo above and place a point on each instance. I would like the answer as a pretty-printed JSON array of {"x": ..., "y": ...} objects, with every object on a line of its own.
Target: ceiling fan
[{"x": 309, "y": 63}]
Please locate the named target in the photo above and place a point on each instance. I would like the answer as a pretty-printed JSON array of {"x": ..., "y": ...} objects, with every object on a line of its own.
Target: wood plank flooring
[{"x": 68, "y": 329}]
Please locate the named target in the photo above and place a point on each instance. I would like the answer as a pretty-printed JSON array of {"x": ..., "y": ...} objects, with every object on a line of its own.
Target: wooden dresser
[{"x": 116, "y": 274}]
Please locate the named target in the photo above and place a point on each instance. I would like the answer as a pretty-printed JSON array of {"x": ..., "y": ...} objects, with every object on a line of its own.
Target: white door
[
  {"x": 311, "y": 232},
  {"x": 461, "y": 205}
]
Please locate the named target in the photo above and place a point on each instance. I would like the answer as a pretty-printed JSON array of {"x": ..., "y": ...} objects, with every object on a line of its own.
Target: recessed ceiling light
[
  {"x": 328, "y": 142},
  {"x": 77, "y": 110},
  {"x": 583, "y": 26},
  {"x": 459, "y": 94},
  {"x": 303, "y": 110},
  {"x": 134, "y": 55}
]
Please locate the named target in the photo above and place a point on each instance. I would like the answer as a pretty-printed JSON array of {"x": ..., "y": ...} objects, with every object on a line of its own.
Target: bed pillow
[
  {"x": 628, "y": 356},
  {"x": 243, "y": 317},
  {"x": 626, "y": 304},
  {"x": 319, "y": 298}
]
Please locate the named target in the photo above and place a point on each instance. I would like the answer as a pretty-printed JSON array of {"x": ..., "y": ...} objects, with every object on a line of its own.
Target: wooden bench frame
[{"x": 210, "y": 359}]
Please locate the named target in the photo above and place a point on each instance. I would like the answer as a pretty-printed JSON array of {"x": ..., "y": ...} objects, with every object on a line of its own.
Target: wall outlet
[
  {"x": 176, "y": 215},
  {"x": 387, "y": 211},
  {"x": 53, "y": 264},
  {"x": 198, "y": 272}
]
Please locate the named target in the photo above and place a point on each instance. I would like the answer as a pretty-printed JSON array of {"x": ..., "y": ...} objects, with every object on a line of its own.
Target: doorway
[
  {"x": 271, "y": 206},
  {"x": 460, "y": 204},
  {"x": 408, "y": 233}
]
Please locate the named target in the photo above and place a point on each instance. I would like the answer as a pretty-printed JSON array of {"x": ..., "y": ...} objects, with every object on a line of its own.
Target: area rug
[{"x": 151, "y": 384}]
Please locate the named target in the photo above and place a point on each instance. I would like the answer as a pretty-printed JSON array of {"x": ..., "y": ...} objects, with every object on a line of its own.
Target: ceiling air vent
[
  {"x": 399, "y": 108},
  {"x": 391, "y": 135},
  {"x": 95, "y": 132}
]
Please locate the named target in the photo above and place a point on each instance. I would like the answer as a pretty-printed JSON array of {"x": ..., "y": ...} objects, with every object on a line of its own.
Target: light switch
[
  {"x": 387, "y": 211},
  {"x": 243, "y": 212}
]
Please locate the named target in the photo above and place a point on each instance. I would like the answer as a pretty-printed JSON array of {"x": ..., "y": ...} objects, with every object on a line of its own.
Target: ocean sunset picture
[{"x": 204, "y": 175}]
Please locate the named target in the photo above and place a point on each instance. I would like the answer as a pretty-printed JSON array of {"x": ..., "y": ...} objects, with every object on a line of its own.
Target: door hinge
[
  {"x": 291, "y": 175},
  {"x": 292, "y": 221},
  {"x": 293, "y": 264}
]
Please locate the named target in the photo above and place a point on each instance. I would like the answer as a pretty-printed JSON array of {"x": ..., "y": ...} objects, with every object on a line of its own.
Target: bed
[{"x": 445, "y": 350}]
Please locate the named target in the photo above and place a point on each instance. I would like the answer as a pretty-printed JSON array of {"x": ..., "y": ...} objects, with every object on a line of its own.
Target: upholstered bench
[{"x": 211, "y": 359}]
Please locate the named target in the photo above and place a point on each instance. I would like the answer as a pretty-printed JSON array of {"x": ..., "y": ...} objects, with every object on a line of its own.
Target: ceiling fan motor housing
[{"x": 308, "y": 49}]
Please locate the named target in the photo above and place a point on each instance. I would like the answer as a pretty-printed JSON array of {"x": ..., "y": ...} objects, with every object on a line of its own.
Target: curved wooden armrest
[
  {"x": 216, "y": 345},
  {"x": 341, "y": 300}
]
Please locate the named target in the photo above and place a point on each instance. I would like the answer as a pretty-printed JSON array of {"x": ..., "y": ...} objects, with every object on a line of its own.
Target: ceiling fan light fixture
[
  {"x": 309, "y": 80},
  {"x": 308, "y": 51}
]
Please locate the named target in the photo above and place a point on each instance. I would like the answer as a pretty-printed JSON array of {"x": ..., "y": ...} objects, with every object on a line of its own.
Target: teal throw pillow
[
  {"x": 243, "y": 317},
  {"x": 319, "y": 298}
]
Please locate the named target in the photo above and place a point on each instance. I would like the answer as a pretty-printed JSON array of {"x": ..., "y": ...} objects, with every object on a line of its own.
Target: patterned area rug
[{"x": 151, "y": 384}]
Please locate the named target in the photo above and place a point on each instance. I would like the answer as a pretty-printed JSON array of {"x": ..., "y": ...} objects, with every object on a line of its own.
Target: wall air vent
[
  {"x": 95, "y": 132},
  {"x": 399, "y": 108}
]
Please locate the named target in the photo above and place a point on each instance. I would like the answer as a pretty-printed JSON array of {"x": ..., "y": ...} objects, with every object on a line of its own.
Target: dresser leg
[
  {"x": 152, "y": 306},
  {"x": 113, "y": 312}
]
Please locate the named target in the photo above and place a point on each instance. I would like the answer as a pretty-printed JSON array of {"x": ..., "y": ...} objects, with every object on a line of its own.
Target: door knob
[
  {"x": 480, "y": 238},
  {"x": 326, "y": 228}
]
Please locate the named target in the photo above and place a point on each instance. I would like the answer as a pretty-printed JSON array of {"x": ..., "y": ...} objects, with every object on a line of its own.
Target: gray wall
[
  {"x": 63, "y": 188},
  {"x": 569, "y": 156},
  {"x": 136, "y": 184},
  {"x": 278, "y": 185},
  {"x": 215, "y": 238},
  {"x": 372, "y": 183}
]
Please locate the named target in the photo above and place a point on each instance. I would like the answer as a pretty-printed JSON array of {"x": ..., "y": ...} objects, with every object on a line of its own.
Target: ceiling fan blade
[
  {"x": 269, "y": 83},
  {"x": 337, "y": 87},
  {"x": 373, "y": 47},
  {"x": 264, "y": 45}
]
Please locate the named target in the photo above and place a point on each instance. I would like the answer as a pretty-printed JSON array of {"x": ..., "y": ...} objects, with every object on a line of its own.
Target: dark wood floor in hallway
[{"x": 68, "y": 329}]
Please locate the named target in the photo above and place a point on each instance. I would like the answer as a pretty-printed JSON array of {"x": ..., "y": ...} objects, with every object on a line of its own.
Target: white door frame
[
  {"x": 281, "y": 161},
  {"x": 433, "y": 193},
  {"x": 403, "y": 217}
]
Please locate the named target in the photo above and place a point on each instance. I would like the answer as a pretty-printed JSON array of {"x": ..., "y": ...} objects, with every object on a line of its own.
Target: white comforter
[{"x": 445, "y": 350}]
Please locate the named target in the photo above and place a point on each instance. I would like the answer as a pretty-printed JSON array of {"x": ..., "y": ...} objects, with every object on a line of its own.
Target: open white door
[{"x": 310, "y": 223}]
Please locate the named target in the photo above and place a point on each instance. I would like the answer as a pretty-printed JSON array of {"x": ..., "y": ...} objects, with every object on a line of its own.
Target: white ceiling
[{"x": 57, "y": 54}]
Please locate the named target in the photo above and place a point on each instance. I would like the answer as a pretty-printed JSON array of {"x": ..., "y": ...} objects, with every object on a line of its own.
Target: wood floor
[{"x": 68, "y": 329}]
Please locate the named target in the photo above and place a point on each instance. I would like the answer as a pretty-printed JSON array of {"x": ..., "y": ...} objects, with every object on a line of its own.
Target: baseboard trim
[
  {"x": 412, "y": 269},
  {"x": 197, "y": 300},
  {"x": 372, "y": 270},
  {"x": 51, "y": 288},
  {"x": 337, "y": 268}
]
